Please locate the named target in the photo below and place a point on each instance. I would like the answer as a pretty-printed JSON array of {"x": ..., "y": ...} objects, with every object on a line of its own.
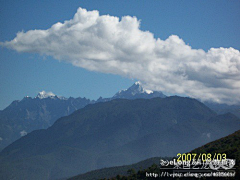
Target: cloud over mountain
[{"x": 111, "y": 45}]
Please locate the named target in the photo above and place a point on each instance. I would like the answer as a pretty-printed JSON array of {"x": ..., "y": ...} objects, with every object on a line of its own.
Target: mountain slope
[
  {"x": 228, "y": 145},
  {"x": 113, "y": 133},
  {"x": 114, "y": 171},
  {"x": 22, "y": 117},
  {"x": 224, "y": 108}
]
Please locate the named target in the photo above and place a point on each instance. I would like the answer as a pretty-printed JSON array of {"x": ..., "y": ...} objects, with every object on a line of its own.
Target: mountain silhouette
[{"x": 114, "y": 133}]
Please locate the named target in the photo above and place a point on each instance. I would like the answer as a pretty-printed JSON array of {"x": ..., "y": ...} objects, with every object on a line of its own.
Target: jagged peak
[
  {"x": 136, "y": 88},
  {"x": 141, "y": 89},
  {"x": 44, "y": 94},
  {"x": 138, "y": 83}
]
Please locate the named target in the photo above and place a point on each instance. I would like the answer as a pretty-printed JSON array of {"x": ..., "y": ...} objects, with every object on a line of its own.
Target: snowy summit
[
  {"x": 137, "y": 91},
  {"x": 44, "y": 94}
]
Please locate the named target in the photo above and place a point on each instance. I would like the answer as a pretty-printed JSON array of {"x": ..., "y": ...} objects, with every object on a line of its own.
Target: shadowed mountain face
[
  {"x": 22, "y": 117},
  {"x": 29, "y": 114},
  {"x": 114, "y": 133}
]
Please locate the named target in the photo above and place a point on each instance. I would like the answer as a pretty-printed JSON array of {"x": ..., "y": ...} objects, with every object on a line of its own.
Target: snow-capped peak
[
  {"x": 138, "y": 88},
  {"x": 134, "y": 90},
  {"x": 44, "y": 94},
  {"x": 138, "y": 83},
  {"x": 148, "y": 91}
]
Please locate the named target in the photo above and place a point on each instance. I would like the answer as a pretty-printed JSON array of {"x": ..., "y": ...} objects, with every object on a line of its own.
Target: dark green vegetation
[
  {"x": 114, "y": 133},
  {"x": 229, "y": 145},
  {"x": 132, "y": 174},
  {"x": 29, "y": 114},
  {"x": 114, "y": 171}
]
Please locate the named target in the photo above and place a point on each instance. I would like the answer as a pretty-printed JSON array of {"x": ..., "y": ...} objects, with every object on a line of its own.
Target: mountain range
[
  {"x": 224, "y": 108},
  {"x": 112, "y": 133},
  {"x": 136, "y": 91},
  {"x": 22, "y": 117}
]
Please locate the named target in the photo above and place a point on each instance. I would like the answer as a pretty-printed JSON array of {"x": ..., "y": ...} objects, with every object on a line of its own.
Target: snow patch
[
  {"x": 148, "y": 91},
  {"x": 138, "y": 83},
  {"x": 44, "y": 94},
  {"x": 208, "y": 135},
  {"x": 23, "y": 133}
]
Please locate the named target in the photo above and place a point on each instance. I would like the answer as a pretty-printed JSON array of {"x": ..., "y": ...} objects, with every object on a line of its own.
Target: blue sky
[{"x": 201, "y": 24}]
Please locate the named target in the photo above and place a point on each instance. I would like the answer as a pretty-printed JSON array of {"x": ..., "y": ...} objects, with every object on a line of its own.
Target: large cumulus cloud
[{"x": 111, "y": 45}]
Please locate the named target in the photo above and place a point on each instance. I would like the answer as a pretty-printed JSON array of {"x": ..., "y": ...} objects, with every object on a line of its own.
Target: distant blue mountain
[
  {"x": 136, "y": 91},
  {"x": 22, "y": 117},
  {"x": 40, "y": 112},
  {"x": 114, "y": 133},
  {"x": 224, "y": 108}
]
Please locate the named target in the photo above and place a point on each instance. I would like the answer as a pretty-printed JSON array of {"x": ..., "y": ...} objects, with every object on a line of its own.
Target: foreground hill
[
  {"x": 114, "y": 133},
  {"x": 114, "y": 171},
  {"x": 229, "y": 145}
]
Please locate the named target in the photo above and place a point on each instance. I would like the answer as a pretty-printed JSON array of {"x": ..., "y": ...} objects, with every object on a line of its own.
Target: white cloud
[{"x": 110, "y": 45}]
